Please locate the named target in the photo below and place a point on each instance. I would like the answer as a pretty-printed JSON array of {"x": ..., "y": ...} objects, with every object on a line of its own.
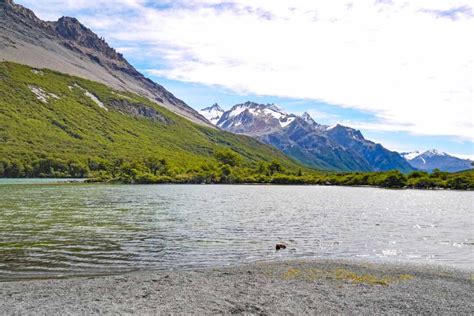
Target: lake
[{"x": 73, "y": 229}]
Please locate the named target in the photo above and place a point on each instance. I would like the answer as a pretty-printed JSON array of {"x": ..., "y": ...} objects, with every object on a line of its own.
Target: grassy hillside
[{"x": 69, "y": 127}]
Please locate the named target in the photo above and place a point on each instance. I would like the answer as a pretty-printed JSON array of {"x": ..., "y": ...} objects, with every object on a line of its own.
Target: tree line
[{"x": 225, "y": 167}]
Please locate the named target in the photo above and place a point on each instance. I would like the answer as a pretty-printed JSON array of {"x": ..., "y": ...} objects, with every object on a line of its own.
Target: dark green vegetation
[
  {"x": 416, "y": 179},
  {"x": 132, "y": 140}
]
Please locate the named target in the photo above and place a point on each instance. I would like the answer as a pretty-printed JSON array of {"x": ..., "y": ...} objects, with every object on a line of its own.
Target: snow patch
[
  {"x": 273, "y": 113},
  {"x": 96, "y": 100},
  {"x": 287, "y": 122},
  {"x": 266, "y": 112},
  {"x": 237, "y": 110},
  {"x": 41, "y": 94},
  {"x": 212, "y": 114},
  {"x": 90, "y": 96},
  {"x": 37, "y": 72}
]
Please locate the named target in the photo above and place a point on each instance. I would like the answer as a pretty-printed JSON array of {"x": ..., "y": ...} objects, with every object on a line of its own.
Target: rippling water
[{"x": 52, "y": 230}]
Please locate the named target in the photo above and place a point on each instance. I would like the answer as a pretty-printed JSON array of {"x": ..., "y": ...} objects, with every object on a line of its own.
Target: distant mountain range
[
  {"x": 328, "y": 147},
  {"x": 434, "y": 159}
]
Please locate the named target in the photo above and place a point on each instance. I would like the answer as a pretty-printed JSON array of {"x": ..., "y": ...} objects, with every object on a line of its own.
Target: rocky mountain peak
[
  {"x": 433, "y": 152},
  {"x": 343, "y": 132},
  {"x": 250, "y": 104},
  {"x": 306, "y": 116},
  {"x": 308, "y": 119},
  {"x": 254, "y": 105},
  {"x": 22, "y": 14},
  {"x": 212, "y": 113},
  {"x": 215, "y": 107},
  {"x": 254, "y": 118},
  {"x": 9, "y": 3},
  {"x": 71, "y": 29}
]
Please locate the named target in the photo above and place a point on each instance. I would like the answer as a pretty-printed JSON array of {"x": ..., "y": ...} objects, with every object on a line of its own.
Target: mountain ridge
[
  {"x": 432, "y": 159},
  {"x": 70, "y": 47},
  {"x": 301, "y": 137}
]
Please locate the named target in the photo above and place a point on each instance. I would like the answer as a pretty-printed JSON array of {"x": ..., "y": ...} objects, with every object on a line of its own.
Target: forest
[{"x": 225, "y": 167}]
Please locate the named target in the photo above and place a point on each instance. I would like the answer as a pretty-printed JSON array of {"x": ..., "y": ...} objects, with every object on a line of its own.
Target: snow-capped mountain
[
  {"x": 434, "y": 159},
  {"x": 255, "y": 119},
  {"x": 212, "y": 113},
  {"x": 301, "y": 137},
  {"x": 308, "y": 119}
]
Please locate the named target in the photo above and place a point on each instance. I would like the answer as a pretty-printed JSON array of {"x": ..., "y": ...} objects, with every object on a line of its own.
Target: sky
[{"x": 400, "y": 71}]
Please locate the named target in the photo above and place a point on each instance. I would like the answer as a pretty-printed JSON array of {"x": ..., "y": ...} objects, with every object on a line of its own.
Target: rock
[
  {"x": 280, "y": 246},
  {"x": 138, "y": 110}
]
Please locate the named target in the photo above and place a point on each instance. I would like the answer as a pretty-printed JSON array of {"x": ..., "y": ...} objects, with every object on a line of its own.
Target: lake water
[{"x": 70, "y": 229}]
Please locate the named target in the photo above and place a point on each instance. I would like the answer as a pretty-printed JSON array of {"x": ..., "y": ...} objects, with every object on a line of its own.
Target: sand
[{"x": 289, "y": 287}]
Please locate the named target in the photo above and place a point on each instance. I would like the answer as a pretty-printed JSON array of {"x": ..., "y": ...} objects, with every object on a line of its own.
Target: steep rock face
[
  {"x": 71, "y": 29},
  {"x": 308, "y": 119},
  {"x": 69, "y": 47},
  {"x": 376, "y": 156},
  {"x": 334, "y": 148},
  {"x": 137, "y": 109},
  {"x": 434, "y": 159},
  {"x": 313, "y": 146}
]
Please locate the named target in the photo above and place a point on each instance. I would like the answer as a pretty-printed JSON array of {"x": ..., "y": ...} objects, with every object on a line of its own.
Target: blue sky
[{"x": 400, "y": 72}]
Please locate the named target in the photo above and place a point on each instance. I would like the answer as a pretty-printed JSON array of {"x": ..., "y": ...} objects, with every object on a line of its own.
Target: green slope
[{"x": 71, "y": 127}]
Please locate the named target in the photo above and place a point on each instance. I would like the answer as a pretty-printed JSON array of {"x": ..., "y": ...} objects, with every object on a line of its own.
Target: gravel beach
[{"x": 288, "y": 287}]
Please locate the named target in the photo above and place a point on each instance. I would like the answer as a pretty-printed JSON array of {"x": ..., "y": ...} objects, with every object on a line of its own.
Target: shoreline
[
  {"x": 289, "y": 287},
  {"x": 91, "y": 181}
]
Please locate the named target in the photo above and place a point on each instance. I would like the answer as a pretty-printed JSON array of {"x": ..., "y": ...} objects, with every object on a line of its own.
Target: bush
[
  {"x": 227, "y": 157},
  {"x": 393, "y": 179}
]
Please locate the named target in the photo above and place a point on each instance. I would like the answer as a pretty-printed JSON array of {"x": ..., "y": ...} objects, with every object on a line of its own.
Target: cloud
[
  {"x": 408, "y": 63},
  {"x": 377, "y": 126},
  {"x": 464, "y": 156},
  {"x": 452, "y": 13}
]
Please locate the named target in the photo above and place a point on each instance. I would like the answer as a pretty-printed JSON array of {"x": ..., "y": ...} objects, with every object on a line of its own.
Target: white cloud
[
  {"x": 409, "y": 63},
  {"x": 377, "y": 126},
  {"x": 464, "y": 156}
]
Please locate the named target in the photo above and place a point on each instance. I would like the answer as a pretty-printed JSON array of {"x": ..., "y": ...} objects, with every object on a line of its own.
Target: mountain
[
  {"x": 333, "y": 148},
  {"x": 434, "y": 159},
  {"x": 254, "y": 119},
  {"x": 51, "y": 121},
  {"x": 69, "y": 47},
  {"x": 212, "y": 113}
]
